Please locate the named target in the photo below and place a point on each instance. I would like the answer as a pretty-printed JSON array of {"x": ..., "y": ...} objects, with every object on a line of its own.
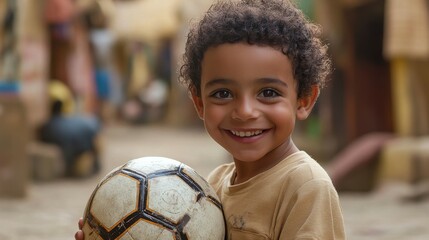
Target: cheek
[
  {"x": 214, "y": 116},
  {"x": 213, "y": 113},
  {"x": 283, "y": 116}
]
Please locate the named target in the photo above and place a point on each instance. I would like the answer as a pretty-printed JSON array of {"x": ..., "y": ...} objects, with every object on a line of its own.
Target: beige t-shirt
[{"x": 293, "y": 200}]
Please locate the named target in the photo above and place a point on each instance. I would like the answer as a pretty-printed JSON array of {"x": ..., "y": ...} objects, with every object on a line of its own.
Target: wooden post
[{"x": 402, "y": 99}]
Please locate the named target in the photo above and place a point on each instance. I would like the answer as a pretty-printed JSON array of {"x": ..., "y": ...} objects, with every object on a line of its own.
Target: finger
[
  {"x": 80, "y": 223},
  {"x": 79, "y": 235}
]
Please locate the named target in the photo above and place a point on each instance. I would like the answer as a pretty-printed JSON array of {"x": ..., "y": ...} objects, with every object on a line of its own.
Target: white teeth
[{"x": 247, "y": 133}]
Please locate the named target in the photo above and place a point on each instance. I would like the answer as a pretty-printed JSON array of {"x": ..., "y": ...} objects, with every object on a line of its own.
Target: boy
[{"x": 253, "y": 68}]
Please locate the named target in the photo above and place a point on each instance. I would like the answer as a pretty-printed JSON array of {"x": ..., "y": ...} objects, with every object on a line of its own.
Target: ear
[
  {"x": 306, "y": 103},
  {"x": 198, "y": 103}
]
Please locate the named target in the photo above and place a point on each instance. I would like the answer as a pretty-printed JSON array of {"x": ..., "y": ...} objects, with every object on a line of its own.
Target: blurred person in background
[{"x": 76, "y": 135}]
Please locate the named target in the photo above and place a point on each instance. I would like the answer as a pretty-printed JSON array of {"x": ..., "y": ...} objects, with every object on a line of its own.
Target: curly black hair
[{"x": 276, "y": 23}]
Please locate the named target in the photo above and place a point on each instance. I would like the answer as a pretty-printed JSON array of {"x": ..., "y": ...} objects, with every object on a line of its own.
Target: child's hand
[{"x": 79, "y": 234}]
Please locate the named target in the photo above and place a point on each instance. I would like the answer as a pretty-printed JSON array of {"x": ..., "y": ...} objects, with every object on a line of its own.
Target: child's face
[{"x": 249, "y": 101}]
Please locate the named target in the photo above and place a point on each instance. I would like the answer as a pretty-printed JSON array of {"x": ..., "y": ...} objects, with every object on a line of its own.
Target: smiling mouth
[{"x": 246, "y": 133}]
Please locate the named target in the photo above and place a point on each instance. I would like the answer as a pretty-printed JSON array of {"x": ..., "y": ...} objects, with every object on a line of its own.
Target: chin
[{"x": 246, "y": 158}]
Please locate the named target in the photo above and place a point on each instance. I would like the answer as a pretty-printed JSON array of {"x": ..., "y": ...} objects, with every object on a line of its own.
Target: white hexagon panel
[
  {"x": 92, "y": 235},
  {"x": 198, "y": 219},
  {"x": 147, "y": 230},
  {"x": 170, "y": 197},
  {"x": 124, "y": 201},
  {"x": 149, "y": 165}
]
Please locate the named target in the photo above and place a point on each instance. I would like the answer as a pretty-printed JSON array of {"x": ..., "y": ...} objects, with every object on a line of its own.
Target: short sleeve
[{"x": 313, "y": 213}]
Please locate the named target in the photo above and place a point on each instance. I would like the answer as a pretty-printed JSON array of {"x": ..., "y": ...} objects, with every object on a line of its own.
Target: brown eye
[
  {"x": 222, "y": 94},
  {"x": 269, "y": 93}
]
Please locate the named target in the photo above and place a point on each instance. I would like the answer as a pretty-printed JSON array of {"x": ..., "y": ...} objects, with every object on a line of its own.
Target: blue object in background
[
  {"x": 9, "y": 87},
  {"x": 102, "y": 80}
]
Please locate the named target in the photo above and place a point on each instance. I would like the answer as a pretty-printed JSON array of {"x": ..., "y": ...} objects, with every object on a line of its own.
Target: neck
[{"x": 247, "y": 170}]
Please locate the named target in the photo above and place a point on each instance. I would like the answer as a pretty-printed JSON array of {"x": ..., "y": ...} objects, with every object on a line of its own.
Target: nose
[{"x": 245, "y": 109}]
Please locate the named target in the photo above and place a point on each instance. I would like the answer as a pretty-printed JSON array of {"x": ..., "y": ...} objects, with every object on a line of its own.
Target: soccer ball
[{"x": 153, "y": 198}]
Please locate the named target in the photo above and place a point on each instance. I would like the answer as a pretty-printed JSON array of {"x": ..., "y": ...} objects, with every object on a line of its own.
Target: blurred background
[{"x": 86, "y": 85}]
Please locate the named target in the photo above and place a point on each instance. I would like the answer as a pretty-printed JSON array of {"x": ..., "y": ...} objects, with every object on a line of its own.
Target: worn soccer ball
[{"x": 153, "y": 198}]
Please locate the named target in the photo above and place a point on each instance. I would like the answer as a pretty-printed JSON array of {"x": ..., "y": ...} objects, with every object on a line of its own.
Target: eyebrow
[
  {"x": 265, "y": 80},
  {"x": 218, "y": 81},
  {"x": 273, "y": 81}
]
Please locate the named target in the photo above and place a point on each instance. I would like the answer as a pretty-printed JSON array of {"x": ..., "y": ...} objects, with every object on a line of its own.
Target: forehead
[{"x": 239, "y": 61}]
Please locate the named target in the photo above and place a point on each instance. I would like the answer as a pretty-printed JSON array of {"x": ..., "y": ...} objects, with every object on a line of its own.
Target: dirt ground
[{"x": 51, "y": 209}]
